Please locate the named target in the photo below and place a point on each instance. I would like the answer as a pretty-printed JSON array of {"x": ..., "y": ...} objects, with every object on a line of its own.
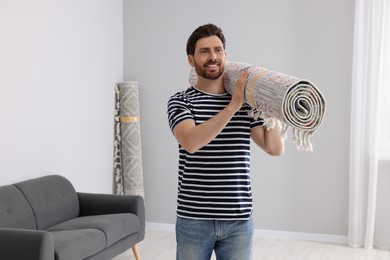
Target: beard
[{"x": 202, "y": 70}]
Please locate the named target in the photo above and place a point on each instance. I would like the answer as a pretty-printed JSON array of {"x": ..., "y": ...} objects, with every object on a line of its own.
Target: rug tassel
[
  {"x": 256, "y": 115},
  {"x": 251, "y": 112},
  {"x": 301, "y": 141},
  {"x": 308, "y": 146},
  {"x": 283, "y": 133},
  {"x": 298, "y": 138},
  {"x": 295, "y": 136},
  {"x": 270, "y": 123}
]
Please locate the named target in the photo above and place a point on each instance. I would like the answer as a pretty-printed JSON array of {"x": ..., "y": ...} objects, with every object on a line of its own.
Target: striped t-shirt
[{"x": 214, "y": 183}]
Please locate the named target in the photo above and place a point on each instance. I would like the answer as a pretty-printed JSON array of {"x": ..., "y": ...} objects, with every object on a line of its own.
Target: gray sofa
[{"x": 46, "y": 219}]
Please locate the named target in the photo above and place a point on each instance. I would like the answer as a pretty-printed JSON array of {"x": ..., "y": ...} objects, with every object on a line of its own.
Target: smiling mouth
[{"x": 212, "y": 67}]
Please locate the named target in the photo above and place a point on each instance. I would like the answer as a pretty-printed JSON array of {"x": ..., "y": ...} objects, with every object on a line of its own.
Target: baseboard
[
  {"x": 383, "y": 244},
  {"x": 314, "y": 237},
  {"x": 152, "y": 226}
]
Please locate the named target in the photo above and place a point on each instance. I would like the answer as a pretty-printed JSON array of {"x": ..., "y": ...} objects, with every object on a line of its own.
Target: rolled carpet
[
  {"x": 297, "y": 103},
  {"x": 128, "y": 171}
]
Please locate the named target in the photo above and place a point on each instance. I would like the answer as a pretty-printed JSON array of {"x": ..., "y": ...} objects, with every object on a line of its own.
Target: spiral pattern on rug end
[{"x": 304, "y": 106}]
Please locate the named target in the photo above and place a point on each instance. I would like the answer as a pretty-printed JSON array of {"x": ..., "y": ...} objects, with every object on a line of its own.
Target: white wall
[
  {"x": 59, "y": 62},
  {"x": 299, "y": 192}
]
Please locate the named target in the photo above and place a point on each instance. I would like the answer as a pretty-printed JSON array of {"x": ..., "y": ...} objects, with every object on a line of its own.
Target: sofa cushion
[
  {"x": 15, "y": 212},
  {"x": 114, "y": 226},
  {"x": 78, "y": 244},
  {"x": 52, "y": 198}
]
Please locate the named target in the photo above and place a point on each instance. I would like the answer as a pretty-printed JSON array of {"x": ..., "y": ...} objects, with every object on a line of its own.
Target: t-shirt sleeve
[
  {"x": 259, "y": 121},
  {"x": 178, "y": 110}
]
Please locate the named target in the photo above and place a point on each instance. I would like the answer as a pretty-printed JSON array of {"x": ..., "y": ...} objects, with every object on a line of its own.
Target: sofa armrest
[
  {"x": 99, "y": 204},
  {"x": 23, "y": 244}
]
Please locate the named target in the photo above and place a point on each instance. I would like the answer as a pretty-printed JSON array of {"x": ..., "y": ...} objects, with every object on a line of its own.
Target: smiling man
[{"x": 213, "y": 130}]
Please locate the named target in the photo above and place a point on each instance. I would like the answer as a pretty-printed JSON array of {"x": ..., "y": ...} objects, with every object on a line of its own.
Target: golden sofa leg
[{"x": 136, "y": 252}]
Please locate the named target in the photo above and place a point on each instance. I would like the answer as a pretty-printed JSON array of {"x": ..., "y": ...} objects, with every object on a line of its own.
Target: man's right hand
[{"x": 238, "y": 96}]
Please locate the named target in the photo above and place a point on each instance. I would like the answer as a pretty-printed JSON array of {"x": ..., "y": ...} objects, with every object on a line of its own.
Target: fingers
[
  {"x": 242, "y": 81},
  {"x": 243, "y": 78},
  {"x": 239, "y": 91}
]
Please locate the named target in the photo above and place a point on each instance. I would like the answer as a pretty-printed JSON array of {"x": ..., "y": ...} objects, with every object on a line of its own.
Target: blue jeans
[{"x": 231, "y": 240}]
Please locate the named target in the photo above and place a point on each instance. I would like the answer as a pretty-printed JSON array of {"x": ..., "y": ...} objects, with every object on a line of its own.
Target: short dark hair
[{"x": 202, "y": 32}]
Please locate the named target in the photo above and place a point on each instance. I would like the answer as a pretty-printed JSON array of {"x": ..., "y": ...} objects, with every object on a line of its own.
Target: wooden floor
[{"x": 160, "y": 245}]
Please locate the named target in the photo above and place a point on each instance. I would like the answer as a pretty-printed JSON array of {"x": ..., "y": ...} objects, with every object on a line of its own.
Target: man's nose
[{"x": 213, "y": 55}]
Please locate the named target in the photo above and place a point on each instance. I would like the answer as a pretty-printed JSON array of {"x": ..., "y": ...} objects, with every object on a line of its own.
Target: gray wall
[
  {"x": 301, "y": 191},
  {"x": 59, "y": 62}
]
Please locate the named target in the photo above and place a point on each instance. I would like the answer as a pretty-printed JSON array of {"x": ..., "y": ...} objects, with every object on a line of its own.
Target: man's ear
[{"x": 191, "y": 60}]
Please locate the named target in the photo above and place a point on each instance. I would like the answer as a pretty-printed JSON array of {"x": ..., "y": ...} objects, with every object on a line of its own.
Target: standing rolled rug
[
  {"x": 128, "y": 174},
  {"x": 295, "y": 102}
]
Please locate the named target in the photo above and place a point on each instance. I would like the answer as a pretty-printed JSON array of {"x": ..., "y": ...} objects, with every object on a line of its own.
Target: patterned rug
[
  {"x": 297, "y": 103},
  {"x": 128, "y": 175}
]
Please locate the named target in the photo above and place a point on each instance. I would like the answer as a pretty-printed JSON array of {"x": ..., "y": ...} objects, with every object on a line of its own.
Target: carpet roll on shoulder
[{"x": 297, "y": 103}]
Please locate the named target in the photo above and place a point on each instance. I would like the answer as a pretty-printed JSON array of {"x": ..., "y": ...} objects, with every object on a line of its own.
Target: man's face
[{"x": 209, "y": 58}]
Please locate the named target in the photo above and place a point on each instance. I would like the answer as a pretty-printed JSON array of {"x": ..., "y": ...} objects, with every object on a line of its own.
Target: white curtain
[{"x": 371, "y": 26}]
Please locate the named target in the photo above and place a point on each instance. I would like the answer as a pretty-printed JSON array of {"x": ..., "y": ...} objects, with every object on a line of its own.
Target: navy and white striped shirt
[{"x": 214, "y": 183}]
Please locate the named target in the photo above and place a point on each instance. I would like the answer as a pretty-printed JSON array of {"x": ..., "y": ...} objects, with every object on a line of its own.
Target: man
[{"x": 213, "y": 129}]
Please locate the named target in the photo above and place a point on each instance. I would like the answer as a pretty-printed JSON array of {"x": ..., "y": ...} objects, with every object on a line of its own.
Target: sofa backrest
[
  {"x": 53, "y": 199},
  {"x": 15, "y": 212}
]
